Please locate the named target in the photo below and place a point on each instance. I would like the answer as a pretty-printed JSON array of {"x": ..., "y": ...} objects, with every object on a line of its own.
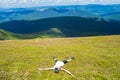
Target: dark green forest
[{"x": 63, "y": 27}]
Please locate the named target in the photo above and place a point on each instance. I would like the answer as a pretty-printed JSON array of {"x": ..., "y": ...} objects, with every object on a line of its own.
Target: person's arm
[
  {"x": 67, "y": 72},
  {"x": 45, "y": 69}
]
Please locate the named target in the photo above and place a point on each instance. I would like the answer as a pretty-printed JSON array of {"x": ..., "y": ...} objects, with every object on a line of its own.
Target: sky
[{"x": 33, "y": 3}]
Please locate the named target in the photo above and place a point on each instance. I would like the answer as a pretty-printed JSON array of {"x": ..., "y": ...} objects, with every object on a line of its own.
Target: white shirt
[{"x": 58, "y": 64}]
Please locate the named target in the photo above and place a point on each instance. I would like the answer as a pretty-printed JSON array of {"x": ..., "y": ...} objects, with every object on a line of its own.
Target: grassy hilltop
[
  {"x": 97, "y": 58},
  {"x": 6, "y": 35}
]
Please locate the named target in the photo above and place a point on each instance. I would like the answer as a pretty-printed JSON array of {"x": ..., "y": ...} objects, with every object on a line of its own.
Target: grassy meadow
[{"x": 96, "y": 58}]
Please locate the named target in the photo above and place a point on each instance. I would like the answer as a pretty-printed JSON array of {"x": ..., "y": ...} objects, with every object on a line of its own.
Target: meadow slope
[{"x": 97, "y": 58}]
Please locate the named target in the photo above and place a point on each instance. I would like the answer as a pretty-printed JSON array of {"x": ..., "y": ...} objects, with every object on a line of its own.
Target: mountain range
[
  {"x": 42, "y": 12},
  {"x": 93, "y": 10},
  {"x": 63, "y": 27},
  {"x": 59, "y": 21}
]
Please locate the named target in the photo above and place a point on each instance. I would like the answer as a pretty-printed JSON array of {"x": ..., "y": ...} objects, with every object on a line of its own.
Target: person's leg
[
  {"x": 55, "y": 59},
  {"x": 66, "y": 61}
]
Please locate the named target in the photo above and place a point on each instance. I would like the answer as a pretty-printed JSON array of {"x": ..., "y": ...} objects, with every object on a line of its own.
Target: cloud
[
  {"x": 92, "y": 0},
  {"x": 38, "y": 1},
  {"x": 27, "y": 3},
  {"x": 23, "y": 1}
]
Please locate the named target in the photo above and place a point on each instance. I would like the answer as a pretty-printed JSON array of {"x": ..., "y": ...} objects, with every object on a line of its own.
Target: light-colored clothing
[{"x": 59, "y": 64}]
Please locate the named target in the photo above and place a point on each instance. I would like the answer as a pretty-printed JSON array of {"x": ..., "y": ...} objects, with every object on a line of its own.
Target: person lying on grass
[{"x": 59, "y": 66}]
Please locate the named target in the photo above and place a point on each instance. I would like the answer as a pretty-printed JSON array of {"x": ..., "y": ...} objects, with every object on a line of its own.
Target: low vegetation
[
  {"x": 97, "y": 58},
  {"x": 52, "y": 33}
]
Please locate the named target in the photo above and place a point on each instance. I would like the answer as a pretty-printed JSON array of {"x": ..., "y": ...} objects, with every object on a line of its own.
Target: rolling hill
[
  {"x": 112, "y": 16},
  {"x": 5, "y": 35},
  {"x": 63, "y": 26}
]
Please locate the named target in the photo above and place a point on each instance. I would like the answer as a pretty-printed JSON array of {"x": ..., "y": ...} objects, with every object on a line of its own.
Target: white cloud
[
  {"x": 75, "y": 0},
  {"x": 26, "y": 3},
  {"x": 92, "y": 0},
  {"x": 23, "y": 1},
  {"x": 59, "y": 1}
]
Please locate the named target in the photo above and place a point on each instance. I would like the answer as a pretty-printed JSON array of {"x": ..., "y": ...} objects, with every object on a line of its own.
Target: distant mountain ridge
[
  {"x": 42, "y": 12},
  {"x": 112, "y": 16},
  {"x": 34, "y": 13},
  {"x": 102, "y": 9}
]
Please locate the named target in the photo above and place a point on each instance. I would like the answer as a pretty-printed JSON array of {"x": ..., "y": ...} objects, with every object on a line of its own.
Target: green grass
[
  {"x": 52, "y": 33},
  {"x": 97, "y": 58},
  {"x": 6, "y": 35}
]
